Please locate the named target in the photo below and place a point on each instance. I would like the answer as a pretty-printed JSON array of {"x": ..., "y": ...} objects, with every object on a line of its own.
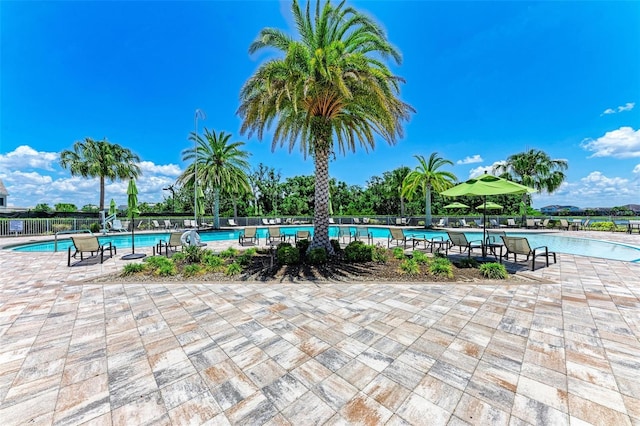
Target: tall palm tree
[
  {"x": 222, "y": 166},
  {"x": 396, "y": 178},
  {"x": 102, "y": 160},
  {"x": 330, "y": 90},
  {"x": 427, "y": 177},
  {"x": 535, "y": 169}
]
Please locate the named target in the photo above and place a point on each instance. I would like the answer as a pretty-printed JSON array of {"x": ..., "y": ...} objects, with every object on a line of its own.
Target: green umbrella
[
  {"x": 456, "y": 205},
  {"x": 200, "y": 202},
  {"x": 330, "y": 206},
  {"x": 132, "y": 206},
  {"x": 112, "y": 207},
  {"x": 486, "y": 185},
  {"x": 489, "y": 205}
]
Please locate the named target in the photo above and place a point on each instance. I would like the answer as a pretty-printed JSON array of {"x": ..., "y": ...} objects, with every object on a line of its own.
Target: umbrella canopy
[
  {"x": 456, "y": 205},
  {"x": 489, "y": 205},
  {"x": 112, "y": 207},
  {"x": 200, "y": 202},
  {"x": 486, "y": 185}
]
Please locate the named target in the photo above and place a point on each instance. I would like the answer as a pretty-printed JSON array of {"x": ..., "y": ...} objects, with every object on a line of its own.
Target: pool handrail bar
[{"x": 77, "y": 231}]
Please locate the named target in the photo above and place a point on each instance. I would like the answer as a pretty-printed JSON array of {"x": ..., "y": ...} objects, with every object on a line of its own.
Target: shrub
[
  {"x": 244, "y": 259},
  {"x": 94, "y": 227},
  {"x": 56, "y": 227},
  {"x": 398, "y": 253},
  {"x": 193, "y": 254},
  {"x": 303, "y": 245},
  {"x": 603, "y": 226},
  {"x": 409, "y": 267},
  {"x": 233, "y": 269},
  {"x": 441, "y": 266},
  {"x": 420, "y": 257},
  {"x": 251, "y": 251},
  {"x": 212, "y": 262},
  {"x": 133, "y": 268},
  {"x": 468, "y": 263},
  {"x": 317, "y": 256},
  {"x": 494, "y": 271},
  {"x": 229, "y": 253},
  {"x": 191, "y": 270},
  {"x": 166, "y": 270},
  {"x": 179, "y": 257},
  {"x": 287, "y": 255},
  {"x": 156, "y": 262},
  {"x": 380, "y": 254},
  {"x": 336, "y": 246},
  {"x": 357, "y": 251}
]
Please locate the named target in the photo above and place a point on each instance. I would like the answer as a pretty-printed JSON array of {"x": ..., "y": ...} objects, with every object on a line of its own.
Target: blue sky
[{"x": 488, "y": 80}]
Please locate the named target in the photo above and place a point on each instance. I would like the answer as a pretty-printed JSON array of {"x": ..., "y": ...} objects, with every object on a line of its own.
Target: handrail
[{"x": 77, "y": 231}]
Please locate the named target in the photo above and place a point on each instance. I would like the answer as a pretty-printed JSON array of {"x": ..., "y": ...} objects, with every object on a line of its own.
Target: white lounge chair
[{"x": 116, "y": 225}]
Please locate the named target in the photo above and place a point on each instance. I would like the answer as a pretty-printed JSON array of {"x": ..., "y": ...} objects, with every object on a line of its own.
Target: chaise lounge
[
  {"x": 89, "y": 244},
  {"x": 520, "y": 246}
]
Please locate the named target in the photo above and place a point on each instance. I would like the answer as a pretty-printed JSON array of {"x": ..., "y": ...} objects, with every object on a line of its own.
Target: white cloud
[
  {"x": 470, "y": 160},
  {"x": 626, "y": 107},
  {"x": 480, "y": 170},
  {"x": 621, "y": 143},
  {"x": 636, "y": 169},
  {"x": 25, "y": 157},
  {"x": 168, "y": 169}
]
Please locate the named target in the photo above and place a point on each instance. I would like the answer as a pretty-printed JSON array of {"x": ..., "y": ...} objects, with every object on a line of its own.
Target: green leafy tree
[
  {"x": 66, "y": 207},
  {"x": 43, "y": 208},
  {"x": 330, "y": 90},
  {"x": 221, "y": 166},
  {"x": 89, "y": 208},
  {"x": 535, "y": 169},
  {"x": 427, "y": 177},
  {"x": 100, "y": 159}
]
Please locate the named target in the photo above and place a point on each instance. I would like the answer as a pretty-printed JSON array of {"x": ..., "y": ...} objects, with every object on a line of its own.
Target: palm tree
[
  {"x": 102, "y": 160},
  {"x": 330, "y": 89},
  {"x": 535, "y": 169},
  {"x": 427, "y": 177},
  {"x": 396, "y": 178},
  {"x": 222, "y": 166}
]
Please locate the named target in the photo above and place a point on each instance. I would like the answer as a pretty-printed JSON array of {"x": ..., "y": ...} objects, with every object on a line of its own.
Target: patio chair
[
  {"x": 441, "y": 223},
  {"x": 89, "y": 244},
  {"x": 125, "y": 224},
  {"x": 169, "y": 225},
  {"x": 302, "y": 235},
  {"x": 344, "y": 232},
  {"x": 274, "y": 235},
  {"x": 174, "y": 240},
  {"x": 249, "y": 235},
  {"x": 331, "y": 221},
  {"x": 464, "y": 224},
  {"x": 398, "y": 221},
  {"x": 356, "y": 221},
  {"x": 495, "y": 224},
  {"x": 232, "y": 222},
  {"x": 511, "y": 223},
  {"x": 586, "y": 225},
  {"x": 265, "y": 221},
  {"x": 459, "y": 239},
  {"x": 156, "y": 224},
  {"x": 494, "y": 242},
  {"x": 117, "y": 226},
  {"x": 544, "y": 224},
  {"x": 520, "y": 246},
  {"x": 563, "y": 224},
  {"x": 362, "y": 233},
  {"x": 531, "y": 224},
  {"x": 396, "y": 237}
]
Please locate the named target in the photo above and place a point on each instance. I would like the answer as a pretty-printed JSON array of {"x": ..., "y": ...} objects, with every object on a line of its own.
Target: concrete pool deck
[{"x": 561, "y": 349}]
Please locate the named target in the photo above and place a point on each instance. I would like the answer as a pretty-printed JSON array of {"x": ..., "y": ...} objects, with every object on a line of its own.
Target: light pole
[{"x": 198, "y": 114}]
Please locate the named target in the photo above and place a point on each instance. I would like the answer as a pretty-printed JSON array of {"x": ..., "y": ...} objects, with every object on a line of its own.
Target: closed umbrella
[
  {"x": 112, "y": 207},
  {"x": 200, "y": 202},
  {"x": 486, "y": 185},
  {"x": 132, "y": 205}
]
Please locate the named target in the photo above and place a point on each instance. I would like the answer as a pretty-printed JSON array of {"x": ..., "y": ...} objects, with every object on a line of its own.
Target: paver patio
[{"x": 564, "y": 349}]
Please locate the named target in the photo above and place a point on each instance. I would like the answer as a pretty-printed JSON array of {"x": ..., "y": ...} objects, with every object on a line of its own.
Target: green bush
[
  {"x": 441, "y": 266},
  {"x": 409, "y": 267},
  {"x": 420, "y": 257},
  {"x": 194, "y": 254},
  {"x": 494, "y": 271},
  {"x": 357, "y": 251},
  {"x": 380, "y": 254},
  {"x": 94, "y": 227},
  {"x": 251, "y": 251},
  {"x": 233, "y": 269},
  {"x": 287, "y": 255},
  {"x": 166, "y": 270},
  {"x": 212, "y": 262},
  {"x": 133, "y": 268},
  {"x": 156, "y": 262},
  {"x": 303, "y": 245},
  {"x": 317, "y": 256},
  {"x": 191, "y": 270},
  {"x": 398, "y": 253},
  {"x": 603, "y": 226},
  {"x": 229, "y": 253},
  {"x": 179, "y": 257},
  {"x": 244, "y": 259}
]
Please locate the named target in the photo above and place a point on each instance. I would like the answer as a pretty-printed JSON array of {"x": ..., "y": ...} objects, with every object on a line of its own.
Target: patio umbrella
[
  {"x": 112, "y": 207},
  {"x": 486, "y": 185},
  {"x": 200, "y": 202},
  {"x": 456, "y": 205},
  {"x": 489, "y": 205},
  {"x": 132, "y": 205}
]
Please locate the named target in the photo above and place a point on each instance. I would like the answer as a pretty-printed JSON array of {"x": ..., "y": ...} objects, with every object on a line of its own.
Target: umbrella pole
[{"x": 484, "y": 228}]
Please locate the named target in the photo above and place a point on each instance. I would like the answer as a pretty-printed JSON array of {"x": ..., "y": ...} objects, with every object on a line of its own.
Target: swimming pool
[{"x": 555, "y": 242}]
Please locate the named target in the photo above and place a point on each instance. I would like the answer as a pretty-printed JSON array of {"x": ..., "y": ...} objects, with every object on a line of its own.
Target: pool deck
[{"x": 561, "y": 348}]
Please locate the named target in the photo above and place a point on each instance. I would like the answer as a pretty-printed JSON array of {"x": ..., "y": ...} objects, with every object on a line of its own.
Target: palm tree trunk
[
  {"x": 321, "y": 213},
  {"x": 401, "y": 206},
  {"x": 216, "y": 208},
  {"x": 101, "y": 193},
  {"x": 427, "y": 207}
]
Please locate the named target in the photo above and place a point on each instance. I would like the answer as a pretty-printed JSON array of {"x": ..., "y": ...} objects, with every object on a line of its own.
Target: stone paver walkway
[{"x": 564, "y": 350}]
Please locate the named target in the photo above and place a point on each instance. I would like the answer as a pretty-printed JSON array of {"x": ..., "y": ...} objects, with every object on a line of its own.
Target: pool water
[{"x": 557, "y": 243}]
